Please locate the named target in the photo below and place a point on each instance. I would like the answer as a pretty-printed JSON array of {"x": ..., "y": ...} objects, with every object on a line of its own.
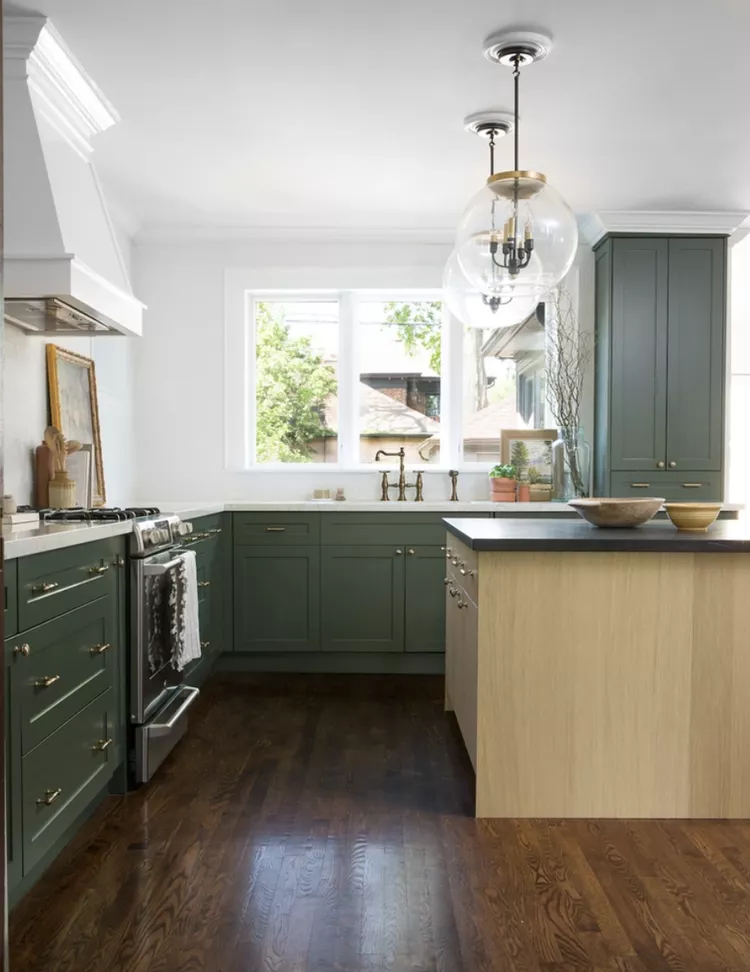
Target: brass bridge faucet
[{"x": 402, "y": 484}]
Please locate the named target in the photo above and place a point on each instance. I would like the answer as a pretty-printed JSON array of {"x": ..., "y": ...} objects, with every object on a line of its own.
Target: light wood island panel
[{"x": 608, "y": 684}]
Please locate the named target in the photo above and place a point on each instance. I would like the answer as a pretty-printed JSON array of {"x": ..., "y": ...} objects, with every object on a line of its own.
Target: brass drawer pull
[
  {"x": 640, "y": 485},
  {"x": 100, "y": 649},
  {"x": 46, "y": 680},
  {"x": 469, "y": 573},
  {"x": 94, "y": 571},
  {"x": 275, "y": 529},
  {"x": 102, "y": 745},
  {"x": 692, "y": 485},
  {"x": 49, "y": 796},
  {"x": 24, "y": 650},
  {"x": 215, "y": 531},
  {"x": 45, "y": 588},
  {"x": 204, "y": 583},
  {"x": 205, "y": 644}
]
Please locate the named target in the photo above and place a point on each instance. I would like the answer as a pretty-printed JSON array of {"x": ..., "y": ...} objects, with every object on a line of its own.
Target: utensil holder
[{"x": 62, "y": 491}]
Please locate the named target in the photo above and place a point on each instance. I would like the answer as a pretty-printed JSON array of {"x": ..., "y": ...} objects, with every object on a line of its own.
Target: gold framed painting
[
  {"x": 530, "y": 451},
  {"x": 74, "y": 408}
]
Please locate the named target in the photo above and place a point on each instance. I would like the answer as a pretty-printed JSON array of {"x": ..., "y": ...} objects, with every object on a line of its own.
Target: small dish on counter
[
  {"x": 692, "y": 517},
  {"x": 606, "y": 511}
]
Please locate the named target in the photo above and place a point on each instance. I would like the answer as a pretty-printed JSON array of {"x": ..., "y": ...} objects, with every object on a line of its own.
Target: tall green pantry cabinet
[{"x": 660, "y": 361}]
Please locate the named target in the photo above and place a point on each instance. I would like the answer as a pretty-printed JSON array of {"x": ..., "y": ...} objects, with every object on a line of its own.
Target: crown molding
[
  {"x": 62, "y": 89},
  {"x": 285, "y": 236},
  {"x": 594, "y": 226}
]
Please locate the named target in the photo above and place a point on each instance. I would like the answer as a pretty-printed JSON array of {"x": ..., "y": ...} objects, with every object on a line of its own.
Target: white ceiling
[{"x": 349, "y": 113}]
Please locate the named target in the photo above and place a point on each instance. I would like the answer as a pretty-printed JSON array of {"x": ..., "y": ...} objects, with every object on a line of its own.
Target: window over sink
[{"x": 332, "y": 377}]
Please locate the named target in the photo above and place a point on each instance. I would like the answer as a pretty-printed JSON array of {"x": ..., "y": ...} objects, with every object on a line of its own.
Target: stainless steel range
[{"x": 159, "y": 698}]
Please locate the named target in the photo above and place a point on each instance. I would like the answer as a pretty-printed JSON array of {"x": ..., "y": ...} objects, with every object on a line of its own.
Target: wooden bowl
[
  {"x": 693, "y": 517},
  {"x": 604, "y": 511}
]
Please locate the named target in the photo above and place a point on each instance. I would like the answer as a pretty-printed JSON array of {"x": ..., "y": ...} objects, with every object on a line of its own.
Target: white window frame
[{"x": 244, "y": 289}]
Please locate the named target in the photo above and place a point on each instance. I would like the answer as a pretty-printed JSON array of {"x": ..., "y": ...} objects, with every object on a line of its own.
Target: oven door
[
  {"x": 156, "y": 739},
  {"x": 153, "y": 678}
]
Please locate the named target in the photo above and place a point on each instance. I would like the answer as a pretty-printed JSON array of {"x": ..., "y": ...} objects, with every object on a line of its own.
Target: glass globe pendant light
[
  {"x": 517, "y": 236},
  {"x": 474, "y": 309}
]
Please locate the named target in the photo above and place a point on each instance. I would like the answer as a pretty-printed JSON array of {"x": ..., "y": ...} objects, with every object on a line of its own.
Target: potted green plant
[{"x": 503, "y": 483}]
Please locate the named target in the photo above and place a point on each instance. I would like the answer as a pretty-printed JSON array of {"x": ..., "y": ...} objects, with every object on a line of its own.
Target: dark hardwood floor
[{"x": 323, "y": 824}]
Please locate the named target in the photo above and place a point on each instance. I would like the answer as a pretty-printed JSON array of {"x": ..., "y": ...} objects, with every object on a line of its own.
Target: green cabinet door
[
  {"x": 362, "y": 599},
  {"x": 424, "y": 623},
  {"x": 277, "y": 598},
  {"x": 638, "y": 354},
  {"x": 695, "y": 367},
  {"x": 14, "y": 851}
]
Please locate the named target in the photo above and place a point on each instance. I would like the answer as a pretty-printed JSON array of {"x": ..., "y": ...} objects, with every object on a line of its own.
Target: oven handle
[
  {"x": 158, "y": 569},
  {"x": 164, "y": 728}
]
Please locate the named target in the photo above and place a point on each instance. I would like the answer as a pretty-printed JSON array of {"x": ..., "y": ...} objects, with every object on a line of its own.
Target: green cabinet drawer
[
  {"x": 276, "y": 529},
  {"x": 206, "y": 538},
  {"x": 424, "y": 620},
  {"x": 277, "y": 598},
  {"x": 70, "y": 661},
  {"x": 675, "y": 487},
  {"x": 362, "y": 599},
  {"x": 14, "y": 852},
  {"x": 10, "y": 596},
  {"x": 63, "y": 774},
  {"x": 50, "y": 584}
]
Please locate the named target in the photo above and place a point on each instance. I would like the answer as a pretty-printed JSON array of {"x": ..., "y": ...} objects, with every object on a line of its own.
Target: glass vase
[{"x": 571, "y": 465}]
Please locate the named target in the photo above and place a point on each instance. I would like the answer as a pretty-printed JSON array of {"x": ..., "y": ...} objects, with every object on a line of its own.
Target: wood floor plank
[{"x": 311, "y": 824}]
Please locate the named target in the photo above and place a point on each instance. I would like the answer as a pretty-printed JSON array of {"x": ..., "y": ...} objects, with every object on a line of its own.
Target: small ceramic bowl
[
  {"x": 604, "y": 511},
  {"x": 693, "y": 517}
]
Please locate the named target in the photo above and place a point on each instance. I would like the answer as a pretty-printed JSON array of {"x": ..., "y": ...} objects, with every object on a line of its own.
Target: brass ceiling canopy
[{"x": 517, "y": 183}]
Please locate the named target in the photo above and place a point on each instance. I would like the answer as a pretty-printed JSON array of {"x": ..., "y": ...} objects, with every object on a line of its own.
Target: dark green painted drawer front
[
  {"x": 71, "y": 761},
  {"x": 339, "y": 529},
  {"x": 68, "y": 649},
  {"x": 277, "y": 598},
  {"x": 80, "y": 574},
  {"x": 425, "y": 599},
  {"x": 674, "y": 487},
  {"x": 363, "y": 598},
  {"x": 282, "y": 529},
  {"x": 14, "y": 854},
  {"x": 10, "y": 580}
]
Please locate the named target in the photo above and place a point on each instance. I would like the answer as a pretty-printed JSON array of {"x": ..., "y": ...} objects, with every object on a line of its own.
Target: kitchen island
[{"x": 601, "y": 673}]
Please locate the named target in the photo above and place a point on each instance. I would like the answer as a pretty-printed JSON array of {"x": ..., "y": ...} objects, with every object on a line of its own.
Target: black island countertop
[{"x": 484, "y": 535}]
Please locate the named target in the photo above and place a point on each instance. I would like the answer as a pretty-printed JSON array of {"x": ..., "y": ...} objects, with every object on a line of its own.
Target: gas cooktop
[{"x": 100, "y": 514}]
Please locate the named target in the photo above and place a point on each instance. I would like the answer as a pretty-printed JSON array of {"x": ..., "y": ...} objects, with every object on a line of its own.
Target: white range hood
[{"x": 64, "y": 271}]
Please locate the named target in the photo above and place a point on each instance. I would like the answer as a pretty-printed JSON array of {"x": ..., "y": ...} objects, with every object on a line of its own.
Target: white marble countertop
[{"x": 22, "y": 543}]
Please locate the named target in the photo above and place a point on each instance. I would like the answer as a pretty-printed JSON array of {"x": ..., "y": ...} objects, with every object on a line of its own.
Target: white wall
[{"x": 180, "y": 366}]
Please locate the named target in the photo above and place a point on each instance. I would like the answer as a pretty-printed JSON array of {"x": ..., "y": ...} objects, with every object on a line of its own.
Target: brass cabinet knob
[
  {"x": 399, "y": 552},
  {"x": 46, "y": 680},
  {"x": 660, "y": 464},
  {"x": 204, "y": 583},
  {"x": 673, "y": 465},
  {"x": 100, "y": 649},
  {"x": 99, "y": 570},
  {"x": 410, "y": 552},
  {"x": 49, "y": 796},
  {"x": 205, "y": 644},
  {"x": 102, "y": 745},
  {"x": 45, "y": 588},
  {"x": 25, "y": 650}
]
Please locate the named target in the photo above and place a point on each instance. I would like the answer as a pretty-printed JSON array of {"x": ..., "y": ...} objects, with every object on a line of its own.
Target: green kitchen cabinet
[
  {"x": 424, "y": 601},
  {"x": 10, "y": 599},
  {"x": 362, "y": 598},
  {"x": 276, "y": 598},
  {"x": 14, "y": 853},
  {"x": 660, "y": 354}
]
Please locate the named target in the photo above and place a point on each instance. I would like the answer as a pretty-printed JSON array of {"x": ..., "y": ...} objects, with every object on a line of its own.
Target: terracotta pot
[
  {"x": 524, "y": 492},
  {"x": 502, "y": 490}
]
